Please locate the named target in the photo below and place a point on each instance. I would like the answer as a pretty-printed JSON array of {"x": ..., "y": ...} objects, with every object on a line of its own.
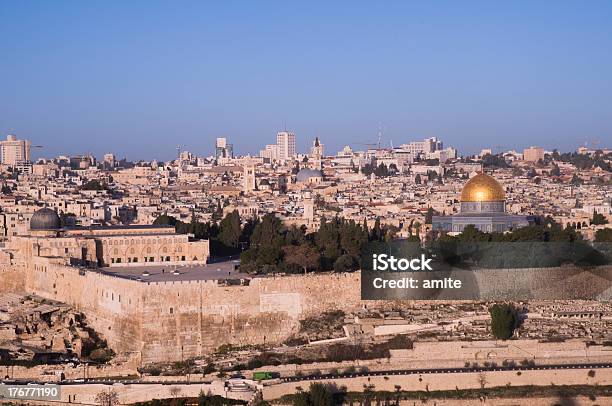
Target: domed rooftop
[
  {"x": 305, "y": 174},
  {"x": 483, "y": 188},
  {"x": 45, "y": 219}
]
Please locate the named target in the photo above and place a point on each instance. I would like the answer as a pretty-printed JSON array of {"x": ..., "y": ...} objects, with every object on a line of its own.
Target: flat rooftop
[{"x": 170, "y": 273}]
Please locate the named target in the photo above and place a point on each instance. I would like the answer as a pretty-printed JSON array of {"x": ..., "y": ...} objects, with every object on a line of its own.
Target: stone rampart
[
  {"x": 173, "y": 321},
  {"x": 177, "y": 320}
]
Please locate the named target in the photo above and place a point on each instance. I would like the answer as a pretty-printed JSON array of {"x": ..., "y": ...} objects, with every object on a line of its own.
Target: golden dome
[{"x": 482, "y": 188}]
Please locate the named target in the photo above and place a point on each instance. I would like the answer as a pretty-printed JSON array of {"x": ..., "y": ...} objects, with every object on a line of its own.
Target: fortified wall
[
  {"x": 12, "y": 278},
  {"x": 176, "y": 320},
  {"x": 171, "y": 321}
]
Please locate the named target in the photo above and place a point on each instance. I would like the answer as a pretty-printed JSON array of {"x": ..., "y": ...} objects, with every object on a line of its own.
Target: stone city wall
[
  {"x": 12, "y": 279},
  {"x": 177, "y": 320},
  {"x": 173, "y": 321},
  {"x": 112, "y": 306}
]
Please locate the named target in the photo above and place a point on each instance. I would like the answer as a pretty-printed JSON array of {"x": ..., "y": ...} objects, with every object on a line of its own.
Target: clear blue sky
[{"x": 138, "y": 77}]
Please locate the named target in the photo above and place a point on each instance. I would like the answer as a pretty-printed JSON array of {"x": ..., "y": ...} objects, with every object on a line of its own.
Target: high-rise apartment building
[
  {"x": 285, "y": 142},
  {"x": 223, "y": 149},
  {"x": 269, "y": 152},
  {"x": 14, "y": 151},
  {"x": 110, "y": 160},
  {"x": 533, "y": 154}
]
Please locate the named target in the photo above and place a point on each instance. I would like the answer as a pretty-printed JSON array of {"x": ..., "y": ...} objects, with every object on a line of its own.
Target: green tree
[
  {"x": 376, "y": 234},
  {"x": 345, "y": 263},
  {"x": 494, "y": 161},
  {"x": 229, "y": 230},
  {"x": 381, "y": 171},
  {"x": 93, "y": 184},
  {"x": 321, "y": 395},
  {"x": 505, "y": 319},
  {"x": 352, "y": 238},
  {"x": 576, "y": 180},
  {"x": 268, "y": 232},
  {"x": 248, "y": 228},
  {"x": 295, "y": 235},
  {"x": 429, "y": 215},
  {"x": 598, "y": 219},
  {"x": 303, "y": 255},
  {"x": 417, "y": 179},
  {"x": 516, "y": 171},
  {"x": 327, "y": 240},
  {"x": 555, "y": 171},
  {"x": 165, "y": 220}
]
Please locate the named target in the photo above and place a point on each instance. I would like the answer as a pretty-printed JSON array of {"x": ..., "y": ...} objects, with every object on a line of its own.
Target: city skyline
[
  {"x": 36, "y": 155},
  {"x": 144, "y": 77}
]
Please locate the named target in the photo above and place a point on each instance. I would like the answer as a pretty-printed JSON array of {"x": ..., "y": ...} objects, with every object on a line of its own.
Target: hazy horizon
[{"x": 139, "y": 78}]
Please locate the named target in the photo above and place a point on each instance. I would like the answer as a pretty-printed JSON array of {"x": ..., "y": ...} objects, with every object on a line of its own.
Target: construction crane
[{"x": 376, "y": 144}]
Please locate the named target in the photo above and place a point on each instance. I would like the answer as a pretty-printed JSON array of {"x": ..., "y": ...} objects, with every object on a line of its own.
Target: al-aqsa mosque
[{"x": 483, "y": 204}]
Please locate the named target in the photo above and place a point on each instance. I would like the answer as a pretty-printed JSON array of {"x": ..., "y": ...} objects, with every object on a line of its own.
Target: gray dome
[
  {"x": 45, "y": 219},
  {"x": 305, "y": 174}
]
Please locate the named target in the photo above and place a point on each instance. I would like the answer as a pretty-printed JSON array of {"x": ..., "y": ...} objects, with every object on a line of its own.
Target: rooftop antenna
[
  {"x": 380, "y": 132},
  {"x": 178, "y": 151}
]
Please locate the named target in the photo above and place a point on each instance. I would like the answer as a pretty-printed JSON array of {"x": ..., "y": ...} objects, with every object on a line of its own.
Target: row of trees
[
  {"x": 337, "y": 245},
  {"x": 584, "y": 161},
  {"x": 269, "y": 246},
  {"x": 539, "y": 245},
  {"x": 227, "y": 237},
  {"x": 381, "y": 170}
]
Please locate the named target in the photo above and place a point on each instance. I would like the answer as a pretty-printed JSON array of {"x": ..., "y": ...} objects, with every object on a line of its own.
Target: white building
[
  {"x": 285, "y": 142},
  {"x": 270, "y": 152},
  {"x": 428, "y": 145},
  {"x": 14, "y": 151}
]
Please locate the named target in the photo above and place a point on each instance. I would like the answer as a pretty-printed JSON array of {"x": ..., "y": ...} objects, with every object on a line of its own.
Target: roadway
[
  {"x": 330, "y": 376},
  {"x": 446, "y": 371}
]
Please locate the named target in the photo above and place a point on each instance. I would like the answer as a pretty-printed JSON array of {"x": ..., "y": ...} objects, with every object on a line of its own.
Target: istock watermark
[
  {"x": 384, "y": 262},
  {"x": 486, "y": 271}
]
